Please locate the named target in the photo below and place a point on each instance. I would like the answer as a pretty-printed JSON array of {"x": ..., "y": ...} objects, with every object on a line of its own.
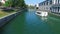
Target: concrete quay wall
[{"x": 7, "y": 18}]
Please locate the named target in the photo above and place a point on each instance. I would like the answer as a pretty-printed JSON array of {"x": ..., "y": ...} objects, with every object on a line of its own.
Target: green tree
[{"x": 15, "y": 3}]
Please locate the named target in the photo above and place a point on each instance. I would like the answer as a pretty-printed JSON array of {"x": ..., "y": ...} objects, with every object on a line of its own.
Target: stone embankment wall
[{"x": 7, "y": 18}]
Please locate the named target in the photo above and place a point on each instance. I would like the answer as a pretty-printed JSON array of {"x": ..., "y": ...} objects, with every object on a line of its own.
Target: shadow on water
[{"x": 14, "y": 26}]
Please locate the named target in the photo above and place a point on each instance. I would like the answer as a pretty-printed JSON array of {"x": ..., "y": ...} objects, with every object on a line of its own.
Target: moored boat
[{"x": 42, "y": 13}]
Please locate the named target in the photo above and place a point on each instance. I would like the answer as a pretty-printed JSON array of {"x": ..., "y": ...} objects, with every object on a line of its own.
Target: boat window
[
  {"x": 38, "y": 13},
  {"x": 37, "y": 8}
]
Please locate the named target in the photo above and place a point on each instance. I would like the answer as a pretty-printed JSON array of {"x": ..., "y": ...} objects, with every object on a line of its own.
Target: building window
[
  {"x": 58, "y": 9},
  {"x": 59, "y": 1},
  {"x": 51, "y": 2},
  {"x": 46, "y": 3},
  {"x": 55, "y": 2}
]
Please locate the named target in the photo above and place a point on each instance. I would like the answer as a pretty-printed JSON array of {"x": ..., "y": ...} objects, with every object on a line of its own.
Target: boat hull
[{"x": 42, "y": 13}]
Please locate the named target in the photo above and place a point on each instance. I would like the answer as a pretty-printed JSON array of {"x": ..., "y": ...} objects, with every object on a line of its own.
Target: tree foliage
[{"x": 15, "y": 3}]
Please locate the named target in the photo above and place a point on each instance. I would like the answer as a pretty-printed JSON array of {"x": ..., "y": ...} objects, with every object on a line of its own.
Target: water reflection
[
  {"x": 35, "y": 24},
  {"x": 44, "y": 18}
]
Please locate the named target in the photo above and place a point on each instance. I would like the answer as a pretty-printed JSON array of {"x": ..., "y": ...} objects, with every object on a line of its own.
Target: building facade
[{"x": 50, "y": 5}]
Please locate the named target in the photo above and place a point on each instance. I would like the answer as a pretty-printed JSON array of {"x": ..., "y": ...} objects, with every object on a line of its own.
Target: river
[{"x": 30, "y": 23}]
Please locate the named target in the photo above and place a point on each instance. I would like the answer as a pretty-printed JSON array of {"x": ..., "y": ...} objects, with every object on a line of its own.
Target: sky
[{"x": 33, "y": 1}]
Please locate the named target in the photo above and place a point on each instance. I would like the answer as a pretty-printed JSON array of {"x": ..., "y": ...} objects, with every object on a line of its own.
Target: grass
[{"x": 4, "y": 13}]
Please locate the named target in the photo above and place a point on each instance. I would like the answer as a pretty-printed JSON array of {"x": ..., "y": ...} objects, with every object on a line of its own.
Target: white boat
[{"x": 42, "y": 13}]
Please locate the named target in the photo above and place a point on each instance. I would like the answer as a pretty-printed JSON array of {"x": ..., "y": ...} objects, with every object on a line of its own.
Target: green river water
[{"x": 30, "y": 23}]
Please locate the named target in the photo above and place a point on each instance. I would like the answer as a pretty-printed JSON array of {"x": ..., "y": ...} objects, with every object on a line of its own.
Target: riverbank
[
  {"x": 2, "y": 13},
  {"x": 5, "y": 18},
  {"x": 54, "y": 15},
  {"x": 7, "y": 12}
]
